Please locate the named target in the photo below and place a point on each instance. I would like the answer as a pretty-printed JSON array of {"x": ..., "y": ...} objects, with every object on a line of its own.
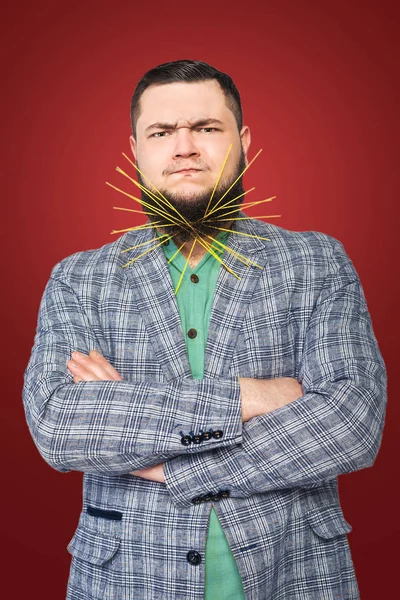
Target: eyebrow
[{"x": 199, "y": 123}]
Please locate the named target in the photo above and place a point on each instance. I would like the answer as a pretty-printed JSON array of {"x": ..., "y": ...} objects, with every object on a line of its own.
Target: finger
[
  {"x": 154, "y": 473},
  {"x": 103, "y": 362},
  {"x": 98, "y": 368},
  {"x": 90, "y": 365},
  {"x": 80, "y": 371}
]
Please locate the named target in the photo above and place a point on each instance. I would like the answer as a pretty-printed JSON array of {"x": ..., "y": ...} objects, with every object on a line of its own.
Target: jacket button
[
  {"x": 193, "y": 557},
  {"x": 186, "y": 440},
  {"x": 196, "y": 439},
  {"x": 194, "y": 278},
  {"x": 197, "y": 500},
  {"x": 224, "y": 494},
  {"x": 216, "y": 498},
  {"x": 206, "y": 435},
  {"x": 207, "y": 497},
  {"x": 217, "y": 434},
  {"x": 192, "y": 333}
]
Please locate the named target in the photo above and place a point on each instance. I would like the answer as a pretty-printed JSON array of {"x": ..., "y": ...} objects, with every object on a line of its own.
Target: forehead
[{"x": 183, "y": 103}]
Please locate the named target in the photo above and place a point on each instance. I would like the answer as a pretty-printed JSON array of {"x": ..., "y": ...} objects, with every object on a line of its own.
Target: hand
[
  {"x": 91, "y": 368},
  {"x": 261, "y": 396},
  {"x": 155, "y": 473},
  {"x": 96, "y": 368}
]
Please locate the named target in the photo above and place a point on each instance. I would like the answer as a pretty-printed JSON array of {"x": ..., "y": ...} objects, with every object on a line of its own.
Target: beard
[{"x": 193, "y": 208}]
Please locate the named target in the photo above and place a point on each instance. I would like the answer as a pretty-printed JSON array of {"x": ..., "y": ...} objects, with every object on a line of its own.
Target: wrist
[{"x": 250, "y": 398}]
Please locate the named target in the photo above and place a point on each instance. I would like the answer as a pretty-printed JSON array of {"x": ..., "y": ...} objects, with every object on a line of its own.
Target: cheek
[
  {"x": 151, "y": 165},
  {"x": 227, "y": 175},
  {"x": 218, "y": 158}
]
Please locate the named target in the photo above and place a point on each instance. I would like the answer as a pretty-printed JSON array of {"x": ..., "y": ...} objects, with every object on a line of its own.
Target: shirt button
[
  {"x": 194, "y": 278},
  {"x": 192, "y": 333},
  {"x": 193, "y": 557}
]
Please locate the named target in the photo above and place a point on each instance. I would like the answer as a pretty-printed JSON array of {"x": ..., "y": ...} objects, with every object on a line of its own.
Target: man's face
[{"x": 188, "y": 126}]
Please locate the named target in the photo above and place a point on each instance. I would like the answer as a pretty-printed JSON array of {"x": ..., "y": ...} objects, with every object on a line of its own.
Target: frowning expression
[{"x": 183, "y": 135}]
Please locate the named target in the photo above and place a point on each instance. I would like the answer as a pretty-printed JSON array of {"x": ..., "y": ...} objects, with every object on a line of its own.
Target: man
[{"x": 210, "y": 378}]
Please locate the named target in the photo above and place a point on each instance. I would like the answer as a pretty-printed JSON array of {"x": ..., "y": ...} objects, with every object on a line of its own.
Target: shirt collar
[{"x": 177, "y": 259}]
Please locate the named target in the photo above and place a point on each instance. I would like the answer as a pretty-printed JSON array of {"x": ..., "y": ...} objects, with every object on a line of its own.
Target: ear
[
  {"x": 245, "y": 139},
  {"x": 132, "y": 143}
]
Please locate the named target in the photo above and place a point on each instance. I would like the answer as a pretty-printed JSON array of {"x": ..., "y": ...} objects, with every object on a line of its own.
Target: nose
[{"x": 185, "y": 146}]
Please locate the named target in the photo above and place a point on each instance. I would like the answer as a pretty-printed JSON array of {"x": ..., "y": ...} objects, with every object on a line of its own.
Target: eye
[
  {"x": 159, "y": 134},
  {"x": 208, "y": 129}
]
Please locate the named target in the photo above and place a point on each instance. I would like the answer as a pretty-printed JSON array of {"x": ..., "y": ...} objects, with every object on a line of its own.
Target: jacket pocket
[
  {"x": 111, "y": 515},
  {"x": 92, "y": 546},
  {"x": 316, "y": 561},
  {"x": 328, "y": 521}
]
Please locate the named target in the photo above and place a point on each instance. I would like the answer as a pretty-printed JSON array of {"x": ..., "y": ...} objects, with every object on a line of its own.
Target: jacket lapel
[
  {"x": 151, "y": 283},
  {"x": 232, "y": 297}
]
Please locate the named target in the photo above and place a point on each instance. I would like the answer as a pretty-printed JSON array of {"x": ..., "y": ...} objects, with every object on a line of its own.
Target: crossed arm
[
  {"x": 258, "y": 396},
  {"x": 272, "y": 439}
]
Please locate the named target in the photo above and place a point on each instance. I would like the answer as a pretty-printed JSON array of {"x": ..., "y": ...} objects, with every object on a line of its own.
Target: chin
[{"x": 189, "y": 192}]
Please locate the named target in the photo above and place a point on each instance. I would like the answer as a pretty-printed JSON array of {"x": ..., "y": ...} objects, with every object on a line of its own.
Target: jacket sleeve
[
  {"x": 112, "y": 427},
  {"x": 335, "y": 427}
]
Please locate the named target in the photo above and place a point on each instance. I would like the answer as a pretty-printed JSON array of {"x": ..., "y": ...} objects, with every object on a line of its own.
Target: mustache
[{"x": 180, "y": 166}]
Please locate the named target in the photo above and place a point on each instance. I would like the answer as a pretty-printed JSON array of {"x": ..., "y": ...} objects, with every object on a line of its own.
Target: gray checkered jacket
[{"x": 303, "y": 315}]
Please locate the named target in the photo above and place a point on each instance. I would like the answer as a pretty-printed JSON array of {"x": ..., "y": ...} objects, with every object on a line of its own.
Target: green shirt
[{"x": 195, "y": 298}]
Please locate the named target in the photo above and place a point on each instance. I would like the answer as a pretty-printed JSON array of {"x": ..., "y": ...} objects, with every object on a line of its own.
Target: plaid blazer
[{"x": 272, "y": 480}]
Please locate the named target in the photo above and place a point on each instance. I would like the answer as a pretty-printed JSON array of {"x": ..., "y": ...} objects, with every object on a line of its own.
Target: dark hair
[{"x": 186, "y": 71}]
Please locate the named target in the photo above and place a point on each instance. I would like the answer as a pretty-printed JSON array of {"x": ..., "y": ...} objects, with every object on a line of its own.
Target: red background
[{"x": 319, "y": 92}]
